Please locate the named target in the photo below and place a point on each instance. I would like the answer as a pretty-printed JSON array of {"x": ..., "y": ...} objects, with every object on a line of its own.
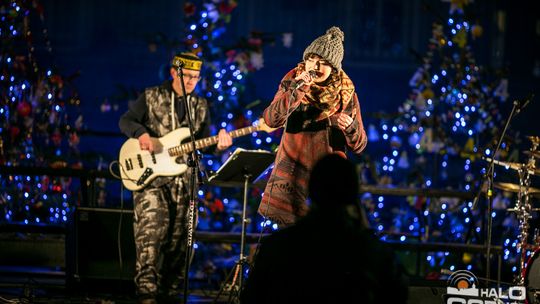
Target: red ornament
[
  {"x": 217, "y": 206},
  {"x": 57, "y": 188},
  {"x": 230, "y": 55},
  {"x": 226, "y": 8},
  {"x": 433, "y": 276},
  {"x": 74, "y": 139},
  {"x": 45, "y": 182},
  {"x": 420, "y": 203},
  {"x": 189, "y": 9},
  {"x": 14, "y": 131},
  {"x": 57, "y": 79},
  {"x": 56, "y": 138},
  {"x": 77, "y": 165},
  {"x": 255, "y": 42},
  {"x": 24, "y": 108}
]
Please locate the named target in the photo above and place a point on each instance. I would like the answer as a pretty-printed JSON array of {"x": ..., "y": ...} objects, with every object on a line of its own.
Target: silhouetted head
[{"x": 333, "y": 182}]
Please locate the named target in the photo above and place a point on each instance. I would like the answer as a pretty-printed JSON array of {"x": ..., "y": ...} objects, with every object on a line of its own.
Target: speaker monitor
[{"x": 103, "y": 244}]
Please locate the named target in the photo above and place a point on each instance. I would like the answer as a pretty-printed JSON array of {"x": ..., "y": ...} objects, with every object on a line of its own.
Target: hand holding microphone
[{"x": 304, "y": 78}]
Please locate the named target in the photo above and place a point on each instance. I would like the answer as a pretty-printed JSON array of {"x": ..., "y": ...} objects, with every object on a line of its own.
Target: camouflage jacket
[{"x": 151, "y": 113}]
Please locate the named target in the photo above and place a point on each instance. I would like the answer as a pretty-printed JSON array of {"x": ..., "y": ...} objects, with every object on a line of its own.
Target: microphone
[
  {"x": 179, "y": 63},
  {"x": 521, "y": 104},
  {"x": 300, "y": 82}
]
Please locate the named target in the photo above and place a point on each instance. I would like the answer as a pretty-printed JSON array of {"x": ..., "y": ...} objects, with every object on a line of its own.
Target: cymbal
[
  {"x": 534, "y": 139},
  {"x": 511, "y": 165},
  {"x": 514, "y": 166},
  {"x": 532, "y": 153},
  {"x": 515, "y": 188}
]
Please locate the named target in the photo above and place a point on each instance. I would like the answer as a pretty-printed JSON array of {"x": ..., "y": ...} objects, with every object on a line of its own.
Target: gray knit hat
[{"x": 329, "y": 46}]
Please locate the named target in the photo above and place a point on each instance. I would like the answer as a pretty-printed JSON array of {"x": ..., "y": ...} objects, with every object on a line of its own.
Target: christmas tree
[
  {"x": 450, "y": 120},
  {"x": 39, "y": 119}
]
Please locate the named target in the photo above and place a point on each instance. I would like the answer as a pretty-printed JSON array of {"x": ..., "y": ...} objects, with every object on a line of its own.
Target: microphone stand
[
  {"x": 489, "y": 176},
  {"x": 193, "y": 163}
]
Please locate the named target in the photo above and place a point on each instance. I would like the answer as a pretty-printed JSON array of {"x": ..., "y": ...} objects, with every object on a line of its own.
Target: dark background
[{"x": 108, "y": 42}]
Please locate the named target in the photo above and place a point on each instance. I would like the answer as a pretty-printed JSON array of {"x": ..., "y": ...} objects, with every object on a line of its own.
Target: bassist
[{"x": 160, "y": 209}]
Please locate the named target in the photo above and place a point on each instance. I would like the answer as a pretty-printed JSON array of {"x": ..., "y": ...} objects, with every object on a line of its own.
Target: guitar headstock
[{"x": 262, "y": 126}]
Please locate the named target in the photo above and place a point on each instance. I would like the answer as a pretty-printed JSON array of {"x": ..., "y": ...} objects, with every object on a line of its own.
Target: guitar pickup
[
  {"x": 129, "y": 164},
  {"x": 144, "y": 176},
  {"x": 139, "y": 159},
  {"x": 153, "y": 158}
]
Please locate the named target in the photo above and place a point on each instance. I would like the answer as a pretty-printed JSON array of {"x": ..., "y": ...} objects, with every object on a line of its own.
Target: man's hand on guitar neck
[
  {"x": 148, "y": 143},
  {"x": 224, "y": 140},
  {"x": 145, "y": 142}
]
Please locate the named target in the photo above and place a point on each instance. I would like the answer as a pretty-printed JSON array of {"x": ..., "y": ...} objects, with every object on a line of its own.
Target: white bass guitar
[{"x": 139, "y": 167}]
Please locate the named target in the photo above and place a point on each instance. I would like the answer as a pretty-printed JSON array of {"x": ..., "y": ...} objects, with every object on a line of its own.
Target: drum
[{"x": 532, "y": 278}]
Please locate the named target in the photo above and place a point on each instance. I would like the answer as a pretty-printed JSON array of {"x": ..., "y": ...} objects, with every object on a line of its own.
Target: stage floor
[
  {"x": 40, "y": 285},
  {"x": 43, "y": 285}
]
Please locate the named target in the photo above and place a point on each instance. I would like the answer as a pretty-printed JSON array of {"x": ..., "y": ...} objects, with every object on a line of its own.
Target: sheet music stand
[{"x": 243, "y": 166}]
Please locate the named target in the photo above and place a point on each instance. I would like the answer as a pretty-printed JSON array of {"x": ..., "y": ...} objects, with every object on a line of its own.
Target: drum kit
[{"x": 529, "y": 267}]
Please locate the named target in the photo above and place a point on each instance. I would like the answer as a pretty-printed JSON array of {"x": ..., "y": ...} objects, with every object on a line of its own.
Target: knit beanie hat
[{"x": 329, "y": 46}]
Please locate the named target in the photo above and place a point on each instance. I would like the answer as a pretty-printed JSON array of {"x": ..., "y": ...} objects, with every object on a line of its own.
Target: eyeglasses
[{"x": 192, "y": 77}]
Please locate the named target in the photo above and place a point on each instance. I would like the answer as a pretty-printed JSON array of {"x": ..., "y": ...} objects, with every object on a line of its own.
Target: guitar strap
[
  {"x": 182, "y": 110},
  {"x": 173, "y": 120}
]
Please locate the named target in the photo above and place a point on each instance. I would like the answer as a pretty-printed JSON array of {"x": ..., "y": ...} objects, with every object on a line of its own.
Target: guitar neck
[{"x": 209, "y": 141}]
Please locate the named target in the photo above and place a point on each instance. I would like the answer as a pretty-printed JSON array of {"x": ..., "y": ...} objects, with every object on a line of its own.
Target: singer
[
  {"x": 160, "y": 209},
  {"x": 317, "y": 105}
]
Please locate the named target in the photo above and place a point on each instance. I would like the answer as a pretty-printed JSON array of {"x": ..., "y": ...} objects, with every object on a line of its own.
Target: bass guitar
[{"x": 140, "y": 167}]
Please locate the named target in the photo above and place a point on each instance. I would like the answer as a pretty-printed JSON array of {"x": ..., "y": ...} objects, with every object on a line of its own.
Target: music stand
[{"x": 241, "y": 168}]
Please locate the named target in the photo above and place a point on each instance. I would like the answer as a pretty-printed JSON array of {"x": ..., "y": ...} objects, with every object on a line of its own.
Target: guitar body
[{"x": 139, "y": 167}]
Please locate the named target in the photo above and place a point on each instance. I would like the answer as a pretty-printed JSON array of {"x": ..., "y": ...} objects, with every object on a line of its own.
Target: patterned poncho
[{"x": 311, "y": 131}]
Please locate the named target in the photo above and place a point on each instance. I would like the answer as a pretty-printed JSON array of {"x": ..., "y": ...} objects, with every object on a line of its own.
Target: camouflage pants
[{"x": 160, "y": 218}]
